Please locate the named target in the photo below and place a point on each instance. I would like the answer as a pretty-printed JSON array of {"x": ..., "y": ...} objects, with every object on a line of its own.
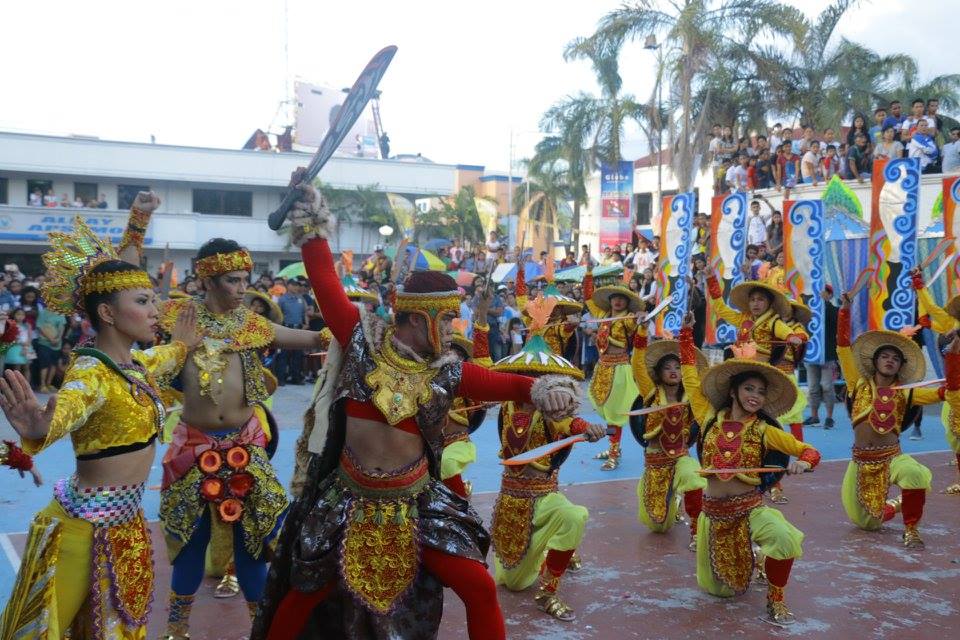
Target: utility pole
[{"x": 651, "y": 44}]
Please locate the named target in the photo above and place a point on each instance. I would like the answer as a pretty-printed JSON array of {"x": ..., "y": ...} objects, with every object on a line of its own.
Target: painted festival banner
[
  {"x": 676, "y": 246},
  {"x": 951, "y": 230},
  {"x": 804, "y": 253},
  {"x": 616, "y": 197},
  {"x": 893, "y": 243},
  {"x": 728, "y": 246}
]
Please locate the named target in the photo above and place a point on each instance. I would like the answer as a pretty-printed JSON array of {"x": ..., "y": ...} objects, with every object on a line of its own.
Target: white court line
[{"x": 12, "y": 556}]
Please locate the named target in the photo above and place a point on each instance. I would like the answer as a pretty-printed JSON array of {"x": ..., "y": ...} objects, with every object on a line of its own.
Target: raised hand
[
  {"x": 20, "y": 406},
  {"x": 146, "y": 201},
  {"x": 185, "y": 330}
]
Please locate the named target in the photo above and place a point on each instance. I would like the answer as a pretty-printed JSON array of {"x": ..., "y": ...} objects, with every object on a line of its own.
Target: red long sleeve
[
  {"x": 484, "y": 385},
  {"x": 335, "y": 307},
  {"x": 952, "y": 362},
  {"x": 843, "y": 327},
  {"x": 588, "y": 285},
  {"x": 688, "y": 351}
]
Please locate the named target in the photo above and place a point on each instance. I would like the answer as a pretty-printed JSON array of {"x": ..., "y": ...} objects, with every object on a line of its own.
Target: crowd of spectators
[
  {"x": 49, "y": 199},
  {"x": 784, "y": 157}
]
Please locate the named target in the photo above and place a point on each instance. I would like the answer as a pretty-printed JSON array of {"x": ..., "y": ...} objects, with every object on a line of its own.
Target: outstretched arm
[
  {"x": 848, "y": 367},
  {"x": 335, "y": 307},
  {"x": 942, "y": 322},
  {"x": 557, "y": 396},
  {"x": 723, "y": 311},
  {"x": 130, "y": 248},
  {"x": 702, "y": 409},
  {"x": 637, "y": 361}
]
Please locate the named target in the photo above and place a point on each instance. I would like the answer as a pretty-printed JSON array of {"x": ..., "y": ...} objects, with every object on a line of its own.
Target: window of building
[
  {"x": 223, "y": 202},
  {"x": 643, "y": 202},
  {"x": 4, "y": 197},
  {"x": 38, "y": 189},
  {"x": 85, "y": 191},
  {"x": 127, "y": 193}
]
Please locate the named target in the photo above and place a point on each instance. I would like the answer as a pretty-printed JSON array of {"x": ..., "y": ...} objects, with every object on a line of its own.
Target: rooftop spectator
[
  {"x": 36, "y": 198},
  {"x": 809, "y": 164},
  {"x": 860, "y": 160},
  {"x": 894, "y": 117},
  {"x": 876, "y": 131},
  {"x": 951, "y": 152},
  {"x": 922, "y": 146},
  {"x": 888, "y": 147},
  {"x": 50, "y": 199},
  {"x": 858, "y": 126}
]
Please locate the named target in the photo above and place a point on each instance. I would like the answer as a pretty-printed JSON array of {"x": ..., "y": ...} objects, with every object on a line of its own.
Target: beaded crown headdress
[
  {"x": 218, "y": 263},
  {"x": 69, "y": 263}
]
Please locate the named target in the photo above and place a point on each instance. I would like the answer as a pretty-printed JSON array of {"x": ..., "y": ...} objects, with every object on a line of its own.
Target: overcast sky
[{"x": 207, "y": 73}]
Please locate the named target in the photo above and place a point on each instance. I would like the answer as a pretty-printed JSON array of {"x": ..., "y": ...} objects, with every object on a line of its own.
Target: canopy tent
[
  {"x": 294, "y": 270},
  {"x": 507, "y": 271},
  {"x": 576, "y": 274}
]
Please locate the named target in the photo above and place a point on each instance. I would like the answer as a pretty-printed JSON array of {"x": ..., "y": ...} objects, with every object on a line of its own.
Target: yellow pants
[
  {"x": 795, "y": 414},
  {"x": 66, "y": 591},
  {"x": 946, "y": 416},
  {"x": 456, "y": 457},
  {"x": 557, "y": 524},
  {"x": 778, "y": 539},
  {"x": 905, "y": 472},
  {"x": 685, "y": 478},
  {"x": 613, "y": 404}
]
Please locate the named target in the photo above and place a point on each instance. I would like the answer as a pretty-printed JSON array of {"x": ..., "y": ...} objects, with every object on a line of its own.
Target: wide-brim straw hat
[
  {"x": 801, "y": 312},
  {"x": 661, "y": 348},
  {"x": 601, "y": 297},
  {"x": 536, "y": 358},
  {"x": 740, "y": 297},
  {"x": 275, "y": 314},
  {"x": 781, "y": 392},
  {"x": 866, "y": 345},
  {"x": 953, "y": 307}
]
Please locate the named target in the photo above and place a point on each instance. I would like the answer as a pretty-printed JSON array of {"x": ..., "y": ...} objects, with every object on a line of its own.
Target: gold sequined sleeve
[
  {"x": 638, "y": 364},
  {"x": 82, "y": 394},
  {"x": 164, "y": 361},
  {"x": 928, "y": 395},
  {"x": 702, "y": 409},
  {"x": 942, "y": 322},
  {"x": 726, "y": 313}
]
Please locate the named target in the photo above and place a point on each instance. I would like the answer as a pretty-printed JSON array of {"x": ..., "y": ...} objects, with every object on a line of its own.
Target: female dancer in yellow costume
[
  {"x": 762, "y": 317},
  {"x": 88, "y": 564},
  {"x": 735, "y": 402},
  {"x": 945, "y": 321},
  {"x": 874, "y": 365},
  {"x": 613, "y": 389},
  {"x": 669, "y": 471},
  {"x": 535, "y": 528}
]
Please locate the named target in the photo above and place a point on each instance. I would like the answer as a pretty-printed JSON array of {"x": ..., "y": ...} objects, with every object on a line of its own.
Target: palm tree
[
  {"x": 589, "y": 128},
  {"x": 541, "y": 199},
  {"x": 694, "y": 36},
  {"x": 455, "y": 217},
  {"x": 821, "y": 80}
]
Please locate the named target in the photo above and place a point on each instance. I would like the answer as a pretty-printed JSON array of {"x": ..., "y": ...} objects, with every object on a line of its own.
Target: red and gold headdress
[
  {"x": 69, "y": 263},
  {"x": 432, "y": 304},
  {"x": 219, "y": 263}
]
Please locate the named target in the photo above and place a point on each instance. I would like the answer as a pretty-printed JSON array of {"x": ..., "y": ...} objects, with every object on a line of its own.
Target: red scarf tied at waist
[{"x": 189, "y": 442}]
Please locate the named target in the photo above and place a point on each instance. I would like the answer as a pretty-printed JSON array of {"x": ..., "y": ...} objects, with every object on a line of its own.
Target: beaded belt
[
  {"x": 408, "y": 480},
  {"x": 617, "y": 358},
  {"x": 868, "y": 455},
  {"x": 522, "y": 486},
  {"x": 660, "y": 458},
  {"x": 456, "y": 436},
  {"x": 731, "y": 507},
  {"x": 100, "y": 506}
]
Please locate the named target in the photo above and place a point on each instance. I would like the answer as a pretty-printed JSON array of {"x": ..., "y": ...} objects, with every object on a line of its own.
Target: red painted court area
[{"x": 635, "y": 584}]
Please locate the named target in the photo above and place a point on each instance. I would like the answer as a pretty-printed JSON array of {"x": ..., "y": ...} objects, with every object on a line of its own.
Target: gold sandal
[
  {"x": 778, "y": 614},
  {"x": 911, "y": 538},
  {"x": 228, "y": 587},
  {"x": 553, "y": 606}
]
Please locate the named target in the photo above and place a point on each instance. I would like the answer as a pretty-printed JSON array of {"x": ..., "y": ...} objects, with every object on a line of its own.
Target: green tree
[
  {"x": 695, "y": 36},
  {"x": 454, "y": 217}
]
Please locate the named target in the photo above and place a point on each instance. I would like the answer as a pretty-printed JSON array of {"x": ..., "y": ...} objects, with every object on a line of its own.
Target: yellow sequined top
[
  {"x": 729, "y": 444},
  {"x": 776, "y": 277},
  {"x": 764, "y": 330},
  {"x": 100, "y": 409},
  {"x": 941, "y": 321},
  {"x": 655, "y": 395},
  {"x": 883, "y": 408},
  {"x": 523, "y": 431}
]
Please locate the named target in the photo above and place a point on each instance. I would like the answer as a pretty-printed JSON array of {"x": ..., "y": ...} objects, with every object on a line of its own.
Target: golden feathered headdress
[{"x": 69, "y": 262}]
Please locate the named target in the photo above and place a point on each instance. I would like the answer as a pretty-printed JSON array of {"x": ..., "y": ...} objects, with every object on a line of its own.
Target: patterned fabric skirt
[
  {"x": 87, "y": 568},
  {"x": 663, "y": 482},
  {"x": 868, "y": 478}
]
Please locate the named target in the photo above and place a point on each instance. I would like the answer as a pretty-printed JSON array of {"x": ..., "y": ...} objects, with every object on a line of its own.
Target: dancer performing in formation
[
  {"x": 536, "y": 529},
  {"x": 465, "y": 416},
  {"x": 735, "y": 402},
  {"x": 873, "y": 366},
  {"x": 375, "y": 535},
  {"x": 765, "y": 334},
  {"x": 946, "y": 322},
  {"x": 669, "y": 471},
  {"x": 613, "y": 390},
  {"x": 88, "y": 567},
  {"x": 562, "y": 327},
  {"x": 218, "y": 484}
]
